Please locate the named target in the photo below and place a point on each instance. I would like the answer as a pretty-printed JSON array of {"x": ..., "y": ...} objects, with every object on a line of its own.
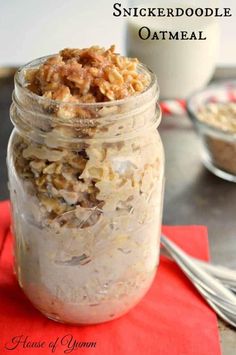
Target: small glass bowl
[{"x": 218, "y": 146}]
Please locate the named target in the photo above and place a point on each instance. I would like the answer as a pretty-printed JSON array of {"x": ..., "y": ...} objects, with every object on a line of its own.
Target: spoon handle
[
  {"x": 221, "y": 272},
  {"x": 222, "y": 301},
  {"x": 200, "y": 273}
]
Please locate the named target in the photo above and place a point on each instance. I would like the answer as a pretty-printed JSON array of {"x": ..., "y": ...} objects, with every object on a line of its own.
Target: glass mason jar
[{"x": 86, "y": 197}]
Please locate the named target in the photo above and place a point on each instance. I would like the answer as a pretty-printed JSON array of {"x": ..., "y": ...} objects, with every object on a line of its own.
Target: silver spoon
[
  {"x": 225, "y": 275},
  {"x": 220, "y": 298}
]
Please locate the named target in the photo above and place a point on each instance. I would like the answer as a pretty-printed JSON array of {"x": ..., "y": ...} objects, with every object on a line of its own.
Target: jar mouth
[
  {"x": 19, "y": 79},
  {"x": 36, "y": 115}
]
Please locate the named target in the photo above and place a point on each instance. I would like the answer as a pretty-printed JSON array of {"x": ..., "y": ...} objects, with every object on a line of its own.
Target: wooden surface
[{"x": 192, "y": 196}]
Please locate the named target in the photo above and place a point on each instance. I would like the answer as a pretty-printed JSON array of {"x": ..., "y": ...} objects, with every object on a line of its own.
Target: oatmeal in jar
[{"x": 86, "y": 171}]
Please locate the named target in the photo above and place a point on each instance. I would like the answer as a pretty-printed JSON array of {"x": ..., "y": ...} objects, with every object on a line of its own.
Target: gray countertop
[{"x": 192, "y": 195}]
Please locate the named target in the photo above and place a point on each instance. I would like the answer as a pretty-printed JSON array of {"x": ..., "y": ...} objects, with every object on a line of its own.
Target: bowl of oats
[
  {"x": 86, "y": 176},
  {"x": 213, "y": 113}
]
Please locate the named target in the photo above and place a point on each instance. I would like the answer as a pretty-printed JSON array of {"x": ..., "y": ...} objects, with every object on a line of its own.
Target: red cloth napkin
[{"x": 172, "y": 319}]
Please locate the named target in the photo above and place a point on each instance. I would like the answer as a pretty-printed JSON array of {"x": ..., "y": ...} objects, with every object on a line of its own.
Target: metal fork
[
  {"x": 209, "y": 280},
  {"x": 225, "y": 275}
]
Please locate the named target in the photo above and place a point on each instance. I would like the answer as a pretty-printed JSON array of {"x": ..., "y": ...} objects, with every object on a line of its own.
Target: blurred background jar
[{"x": 182, "y": 66}]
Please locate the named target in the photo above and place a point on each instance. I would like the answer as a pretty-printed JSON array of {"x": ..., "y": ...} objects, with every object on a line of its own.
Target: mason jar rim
[{"x": 30, "y": 94}]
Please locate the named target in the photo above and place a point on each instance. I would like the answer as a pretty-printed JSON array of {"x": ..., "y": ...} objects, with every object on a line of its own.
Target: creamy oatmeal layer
[
  {"x": 86, "y": 180},
  {"x": 221, "y": 115}
]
